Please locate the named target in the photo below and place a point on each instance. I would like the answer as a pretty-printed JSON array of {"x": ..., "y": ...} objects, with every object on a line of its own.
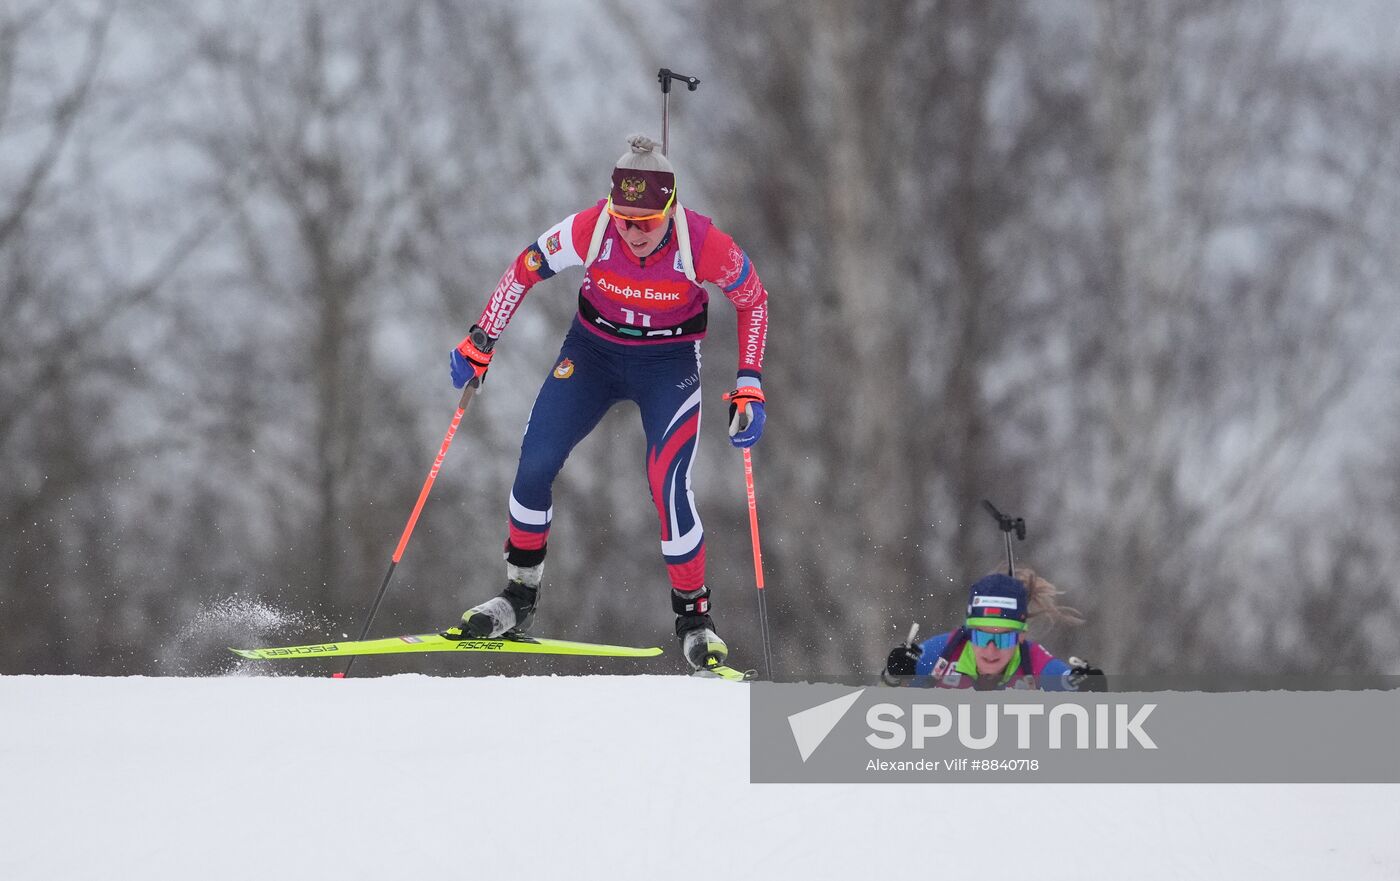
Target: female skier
[
  {"x": 990, "y": 650},
  {"x": 641, "y": 315}
]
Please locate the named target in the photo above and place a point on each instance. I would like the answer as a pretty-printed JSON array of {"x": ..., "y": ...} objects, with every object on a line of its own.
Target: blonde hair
[
  {"x": 644, "y": 155},
  {"x": 1043, "y": 599}
]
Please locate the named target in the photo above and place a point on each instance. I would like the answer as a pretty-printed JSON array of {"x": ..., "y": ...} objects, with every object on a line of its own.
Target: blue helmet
[{"x": 997, "y": 601}]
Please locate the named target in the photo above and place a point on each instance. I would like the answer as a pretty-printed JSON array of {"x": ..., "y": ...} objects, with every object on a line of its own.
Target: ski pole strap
[
  {"x": 589, "y": 313},
  {"x": 743, "y": 395},
  {"x": 477, "y": 348}
]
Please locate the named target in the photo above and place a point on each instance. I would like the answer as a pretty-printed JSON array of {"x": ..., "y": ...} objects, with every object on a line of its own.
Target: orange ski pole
[{"x": 758, "y": 563}]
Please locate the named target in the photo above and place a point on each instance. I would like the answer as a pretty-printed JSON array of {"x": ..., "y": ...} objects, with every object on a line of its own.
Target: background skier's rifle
[{"x": 1008, "y": 525}]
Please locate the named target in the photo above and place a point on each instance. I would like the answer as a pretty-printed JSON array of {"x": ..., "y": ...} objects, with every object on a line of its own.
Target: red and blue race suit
[{"x": 637, "y": 338}]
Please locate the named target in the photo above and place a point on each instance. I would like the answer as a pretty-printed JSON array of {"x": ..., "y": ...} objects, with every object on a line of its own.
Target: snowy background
[{"x": 1129, "y": 270}]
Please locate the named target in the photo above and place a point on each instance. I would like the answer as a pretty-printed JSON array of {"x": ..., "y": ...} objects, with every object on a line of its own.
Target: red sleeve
[
  {"x": 725, "y": 264},
  {"x": 563, "y": 245},
  {"x": 520, "y": 276}
]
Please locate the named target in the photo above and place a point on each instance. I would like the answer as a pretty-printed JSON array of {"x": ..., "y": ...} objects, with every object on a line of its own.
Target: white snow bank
[{"x": 576, "y": 778}]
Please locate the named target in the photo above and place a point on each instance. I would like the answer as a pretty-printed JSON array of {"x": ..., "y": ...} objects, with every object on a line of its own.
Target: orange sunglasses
[{"x": 645, "y": 222}]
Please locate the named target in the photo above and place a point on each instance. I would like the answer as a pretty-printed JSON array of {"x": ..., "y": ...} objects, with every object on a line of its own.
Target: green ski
[
  {"x": 436, "y": 642},
  {"x": 715, "y": 670}
]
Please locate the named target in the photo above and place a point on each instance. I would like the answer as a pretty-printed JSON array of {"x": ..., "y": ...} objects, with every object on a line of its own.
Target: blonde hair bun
[{"x": 644, "y": 154}]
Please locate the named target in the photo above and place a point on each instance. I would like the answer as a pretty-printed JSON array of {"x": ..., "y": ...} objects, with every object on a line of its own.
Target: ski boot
[
  {"x": 507, "y": 614},
  {"x": 700, "y": 644}
]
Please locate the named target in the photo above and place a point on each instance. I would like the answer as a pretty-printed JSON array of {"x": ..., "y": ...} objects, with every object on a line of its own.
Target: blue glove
[
  {"x": 471, "y": 358},
  {"x": 746, "y": 416}
]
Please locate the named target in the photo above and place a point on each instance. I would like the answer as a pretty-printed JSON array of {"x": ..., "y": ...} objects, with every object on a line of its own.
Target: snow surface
[{"x": 408, "y": 777}]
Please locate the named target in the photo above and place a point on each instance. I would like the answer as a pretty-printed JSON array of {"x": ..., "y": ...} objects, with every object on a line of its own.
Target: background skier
[{"x": 990, "y": 650}]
